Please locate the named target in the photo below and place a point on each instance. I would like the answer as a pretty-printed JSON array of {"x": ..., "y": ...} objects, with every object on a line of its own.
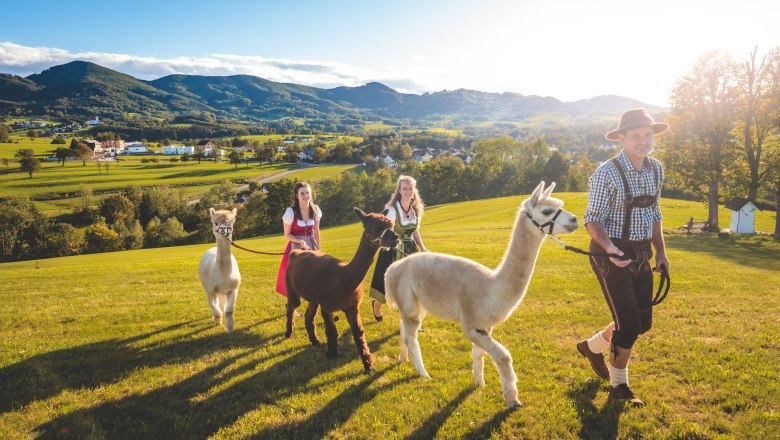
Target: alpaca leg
[
  {"x": 359, "y": 336},
  {"x": 478, "y": 364},
  {"x": 331, "y": 333},
  {"x": 216, "y": 313},
  {"x": 293, "y": 301},
  {"x": 230, "y": 305},
  {"x": 501, "y": 358},
  {"x": 411, "y": 326},
  {"x": 403, "y": 356},
  {"x": 308, "y": 319}
]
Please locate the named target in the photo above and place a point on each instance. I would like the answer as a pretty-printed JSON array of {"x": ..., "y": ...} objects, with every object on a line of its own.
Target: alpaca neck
[
  {"x": 361, "y": 262},
  {"x": 518, "y": 264},
  {"x": 223, "y": 252}
]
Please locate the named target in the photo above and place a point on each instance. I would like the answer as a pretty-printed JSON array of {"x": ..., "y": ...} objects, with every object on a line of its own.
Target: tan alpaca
[
  {"x": 479, "y": 298},
  {"x": 218, "y": 269}
]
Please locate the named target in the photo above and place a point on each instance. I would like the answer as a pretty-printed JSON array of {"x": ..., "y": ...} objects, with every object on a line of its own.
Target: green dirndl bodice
[{"x": 388, "y": 257}]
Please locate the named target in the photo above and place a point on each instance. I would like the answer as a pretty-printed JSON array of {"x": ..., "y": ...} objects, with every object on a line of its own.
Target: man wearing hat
[{"x": 623, "y": 218}]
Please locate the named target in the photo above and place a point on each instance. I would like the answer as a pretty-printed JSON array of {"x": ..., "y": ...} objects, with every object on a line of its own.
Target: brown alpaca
[{"x": 327, "y": 282}]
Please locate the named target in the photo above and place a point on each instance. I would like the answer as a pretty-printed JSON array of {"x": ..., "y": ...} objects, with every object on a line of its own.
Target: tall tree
[
  {"x": 705, "y": 104},
  {"x": 759, "y": 98},
  {"x": 27, "y": 162},
  {"x": 62, "y": 154}
]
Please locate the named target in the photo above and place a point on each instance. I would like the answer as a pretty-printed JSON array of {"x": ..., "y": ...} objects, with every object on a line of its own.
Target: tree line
[{"x": 723, "y": 140}]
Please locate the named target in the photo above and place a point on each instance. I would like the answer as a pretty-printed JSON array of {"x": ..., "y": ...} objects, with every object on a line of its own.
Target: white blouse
[
  {"x": 289, "y": 216},
  {"x": 391, "y": 210}
]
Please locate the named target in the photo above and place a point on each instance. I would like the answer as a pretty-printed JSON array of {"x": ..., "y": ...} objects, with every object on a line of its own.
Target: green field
[
  {"x": 119, "y": 345},
  {"x": 55, "y": 178}
]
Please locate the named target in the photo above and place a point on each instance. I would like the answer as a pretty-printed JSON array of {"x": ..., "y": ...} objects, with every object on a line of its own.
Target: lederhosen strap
[{"x": 629, "y": 201}]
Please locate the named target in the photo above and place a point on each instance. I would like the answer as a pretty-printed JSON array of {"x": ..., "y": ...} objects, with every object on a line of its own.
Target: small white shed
[{"x": 743, "y": 217}]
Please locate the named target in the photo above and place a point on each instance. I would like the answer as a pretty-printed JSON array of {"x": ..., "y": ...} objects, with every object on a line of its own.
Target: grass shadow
[
  {"x": 104, "y": 362},
  {"x": 490, "y": 427},
  {"x": 336, "y": 412},
  {"x": 743, "y": 251},
  {"x": 216, "y": 397},
  {"x": 597, "y": 423},
  {"x": 431, "y": 426}
]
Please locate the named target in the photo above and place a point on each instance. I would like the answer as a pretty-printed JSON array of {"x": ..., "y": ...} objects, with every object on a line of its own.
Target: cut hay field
[{"x": 119, "y": 345}]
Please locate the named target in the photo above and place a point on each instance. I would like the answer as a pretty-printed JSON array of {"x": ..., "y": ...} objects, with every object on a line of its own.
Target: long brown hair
[
  {"x": 296, "y": 206},
  {"x": 417, "y": 203}
]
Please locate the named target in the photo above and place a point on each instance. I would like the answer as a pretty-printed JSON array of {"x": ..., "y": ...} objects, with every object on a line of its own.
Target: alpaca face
[
  {"x": 222, "y": 222},
  {"x": 379, "y": 229},
  {"x": 547, "y": 212}
]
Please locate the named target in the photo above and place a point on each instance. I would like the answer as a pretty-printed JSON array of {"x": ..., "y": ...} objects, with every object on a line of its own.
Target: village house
[
  {"x": 206, "y": 145},
  {"x": 422, "y": 156},
  {"x": 177, "y": 149},
  {"x": 95, "y": 121}
]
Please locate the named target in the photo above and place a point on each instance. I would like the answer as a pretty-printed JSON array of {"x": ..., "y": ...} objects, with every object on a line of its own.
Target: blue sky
[{"x": 568, "y": 49}]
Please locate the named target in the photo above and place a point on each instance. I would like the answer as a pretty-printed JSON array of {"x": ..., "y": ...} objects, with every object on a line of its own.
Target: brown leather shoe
[
  {"x": 624, "y": 392},
  {"x": 596, "y": 360}
]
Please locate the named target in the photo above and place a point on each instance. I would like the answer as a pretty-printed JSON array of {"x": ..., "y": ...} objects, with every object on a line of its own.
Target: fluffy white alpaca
[
  {"x": 218, "y": 269},
  {"x": 479, "y": 298}
]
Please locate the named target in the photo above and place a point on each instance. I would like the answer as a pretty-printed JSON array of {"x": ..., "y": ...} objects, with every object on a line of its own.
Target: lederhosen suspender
[{"x": 632, "y": 202}]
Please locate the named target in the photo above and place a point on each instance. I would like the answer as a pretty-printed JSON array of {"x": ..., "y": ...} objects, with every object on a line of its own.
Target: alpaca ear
[
  {"x": 212, "y": 212},
  {"x": 537, "y": 192},
  {"x": 361, "y": 215},
  {"x": 235, "y": 210},
  {"x": 548, "y": 191}
]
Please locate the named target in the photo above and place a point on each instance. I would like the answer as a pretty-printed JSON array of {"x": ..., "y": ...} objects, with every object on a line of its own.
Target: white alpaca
[
  {"x": 218, "y": 270},
  {"x": 465, "y": 291}
]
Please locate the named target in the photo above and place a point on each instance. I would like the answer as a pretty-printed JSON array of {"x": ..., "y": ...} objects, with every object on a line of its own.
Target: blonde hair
[{"x": 417, "y": 203}]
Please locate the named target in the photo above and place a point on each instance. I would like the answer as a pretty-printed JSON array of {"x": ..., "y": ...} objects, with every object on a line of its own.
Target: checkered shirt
[{"x": 606, "y": 197}]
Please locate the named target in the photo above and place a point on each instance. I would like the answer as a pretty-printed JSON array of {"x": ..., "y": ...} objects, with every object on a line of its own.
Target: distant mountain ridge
[{"x": 83, "y": 89}]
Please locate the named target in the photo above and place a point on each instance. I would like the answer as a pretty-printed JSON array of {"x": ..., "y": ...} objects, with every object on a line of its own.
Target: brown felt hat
[{"x": 636, "y": 118}]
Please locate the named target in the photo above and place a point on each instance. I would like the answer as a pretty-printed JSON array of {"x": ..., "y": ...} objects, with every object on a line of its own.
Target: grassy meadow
[{"x": 120, "y": 345}]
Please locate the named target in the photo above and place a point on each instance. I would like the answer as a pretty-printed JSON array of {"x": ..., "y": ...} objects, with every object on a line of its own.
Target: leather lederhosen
[{"x": 628, "y": 290}]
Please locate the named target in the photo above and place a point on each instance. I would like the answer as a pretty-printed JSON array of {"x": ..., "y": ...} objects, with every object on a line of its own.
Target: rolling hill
[{"x": 81, "y": 89}]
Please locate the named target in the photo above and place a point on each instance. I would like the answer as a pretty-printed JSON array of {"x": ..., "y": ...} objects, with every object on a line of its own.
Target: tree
[
  {"x": 186, "y": 157},
  {"x": 17, "y": 213},
  {"x": 556, "y": 169},
  {"x": 116, "y": 208},
  {"x": 704, "y": 106},
  {"x": 163, "y": 233},
  {"x": 61, "y": 240},
  {"x": 291, "y": 153},
  {"x": 236, "y": 157},
  {"x": 83, "y": 152},
  {"x": 59, "y": 140},
  {"x": 5, "y": 133},
  {"x": 85, "y": 192},
  {"x": 759, "y": 98},
  {"x": 266, "y": 154},
  {"x": 62, "y": 154},
  {"x": 27, "y": 162},
  {"x": 101, "y": 238},
  {"x": 199, "y": 154}
]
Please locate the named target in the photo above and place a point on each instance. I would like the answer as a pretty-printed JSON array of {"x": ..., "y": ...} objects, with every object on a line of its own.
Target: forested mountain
[{"x": 81, "y": 89}]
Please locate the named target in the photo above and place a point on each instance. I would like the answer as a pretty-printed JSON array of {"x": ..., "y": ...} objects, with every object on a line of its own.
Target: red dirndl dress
[{"x": 305, "y": 233}]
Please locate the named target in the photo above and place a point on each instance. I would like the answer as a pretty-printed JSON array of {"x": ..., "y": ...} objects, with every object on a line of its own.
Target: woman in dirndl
[
  {"x": 301, "y": 228},
  {"x": 406, "y": 208}
]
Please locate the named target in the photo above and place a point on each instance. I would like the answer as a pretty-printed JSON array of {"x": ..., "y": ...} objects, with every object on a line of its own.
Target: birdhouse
[{"x": 743, "y": 216}]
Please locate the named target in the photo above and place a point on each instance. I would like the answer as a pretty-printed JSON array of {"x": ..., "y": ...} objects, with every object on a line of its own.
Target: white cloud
[{"x": 25, "y": 60}]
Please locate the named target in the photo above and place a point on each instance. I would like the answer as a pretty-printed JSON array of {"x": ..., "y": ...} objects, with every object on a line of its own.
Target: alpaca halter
[
  {"x": 551, "y": 223},
  {"x": 378, "y": 241}
]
